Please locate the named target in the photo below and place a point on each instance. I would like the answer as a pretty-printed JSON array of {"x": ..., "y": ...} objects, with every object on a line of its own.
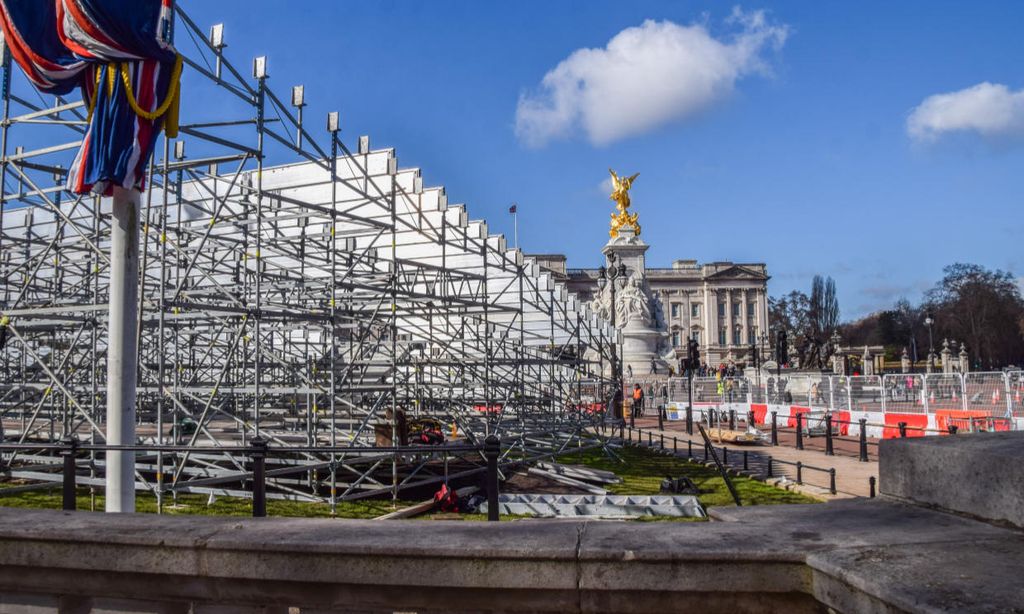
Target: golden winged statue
[{"x": 620, "y": 194}]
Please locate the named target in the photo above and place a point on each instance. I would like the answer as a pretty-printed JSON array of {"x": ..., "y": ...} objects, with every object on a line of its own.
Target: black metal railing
[
  {"x": 258, "y": 451},
  {"x": 833, "y": 424},
  {"x": 723, "y": 452}
]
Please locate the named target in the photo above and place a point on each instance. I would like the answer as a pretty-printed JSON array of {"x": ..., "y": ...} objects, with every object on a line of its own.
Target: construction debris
[
  {"x": 599, "y": 506},
  {"x": 595, "y": 490}
]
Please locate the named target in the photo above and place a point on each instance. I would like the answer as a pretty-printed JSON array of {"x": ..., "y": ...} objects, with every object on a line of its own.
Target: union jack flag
[{"x": 123, "y": 45}]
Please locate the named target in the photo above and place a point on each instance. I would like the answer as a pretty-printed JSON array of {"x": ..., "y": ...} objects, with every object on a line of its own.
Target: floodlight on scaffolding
[
  {"x": 298, "y": 101},
  {"x": 217, "y": 43},
  {"x": 332, "y": 122},
  {"x": 259, "y": 67},
  {"x": 217, "y": 36},
  {"x": 179, "y": 150}
]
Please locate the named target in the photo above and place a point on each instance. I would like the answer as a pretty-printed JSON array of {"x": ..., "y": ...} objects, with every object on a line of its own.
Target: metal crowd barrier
[{"x": 990, "y": 393}]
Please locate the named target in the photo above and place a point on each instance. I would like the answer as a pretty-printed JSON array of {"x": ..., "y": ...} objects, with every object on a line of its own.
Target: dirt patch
[{"x": 522, "y": 482}]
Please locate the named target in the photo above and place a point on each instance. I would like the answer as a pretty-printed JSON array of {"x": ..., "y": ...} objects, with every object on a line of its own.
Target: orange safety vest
[{"x": 638, "y": 394}]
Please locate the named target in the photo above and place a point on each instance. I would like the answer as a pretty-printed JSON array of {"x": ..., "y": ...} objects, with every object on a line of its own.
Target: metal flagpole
[{"x": 122, "y": 365}]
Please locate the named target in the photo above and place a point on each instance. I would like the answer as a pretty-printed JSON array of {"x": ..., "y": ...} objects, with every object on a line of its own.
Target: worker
[{"x": 638, "y": 400}]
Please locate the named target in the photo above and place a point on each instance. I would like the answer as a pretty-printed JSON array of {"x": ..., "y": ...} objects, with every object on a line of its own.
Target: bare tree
[
  {"x": 983, "y": 308},
  {"x": 823, "y": 319}
]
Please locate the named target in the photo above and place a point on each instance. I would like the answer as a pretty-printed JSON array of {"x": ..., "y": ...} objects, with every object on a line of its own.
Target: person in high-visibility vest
[{"x": 638, "y": 400}]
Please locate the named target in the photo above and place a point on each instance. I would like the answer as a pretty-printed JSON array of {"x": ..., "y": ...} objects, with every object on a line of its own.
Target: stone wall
[
  {"x": 761, "y": 559},
  {"x": 979, "y": 474}
]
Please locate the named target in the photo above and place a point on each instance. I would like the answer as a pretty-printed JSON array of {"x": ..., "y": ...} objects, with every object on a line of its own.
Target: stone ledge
[
  {"x": 782, "y": 558},
  {"x": 981, "y": 576}
]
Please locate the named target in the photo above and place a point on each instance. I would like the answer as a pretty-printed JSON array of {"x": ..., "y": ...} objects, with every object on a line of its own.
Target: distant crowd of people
[{"x": 722, "y": 371}]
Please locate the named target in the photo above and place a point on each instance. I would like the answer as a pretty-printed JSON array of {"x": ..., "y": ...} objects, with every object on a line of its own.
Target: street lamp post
[
  {"x": 913, "y": 351},
  {"x": 781, "y": 351},
  {"x": 928, "y": 321},
  {"x": 617, "y": 276},
  {"x": 692, "y": 361},
  {"x": 762, "y": 349}
]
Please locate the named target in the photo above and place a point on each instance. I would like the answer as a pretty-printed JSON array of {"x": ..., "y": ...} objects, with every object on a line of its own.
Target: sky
[{"x": 875, "y": 142}]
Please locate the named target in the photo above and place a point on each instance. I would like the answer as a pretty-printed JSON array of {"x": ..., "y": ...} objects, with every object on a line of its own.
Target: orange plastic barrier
[
  {"x": 843, "y": 418},
  {"x": 914, "y": 423},
  {"x": 793, "y": 411},
  {"x": 760, "y": 412},
  {"x": 962, "y": 420}
]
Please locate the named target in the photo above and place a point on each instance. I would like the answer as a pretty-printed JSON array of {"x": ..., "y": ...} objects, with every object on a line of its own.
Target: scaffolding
[{"x": 291, "y": 289}]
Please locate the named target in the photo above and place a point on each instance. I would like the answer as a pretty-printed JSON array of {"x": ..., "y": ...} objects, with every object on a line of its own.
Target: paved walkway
[{"x": 851, "y": 475}]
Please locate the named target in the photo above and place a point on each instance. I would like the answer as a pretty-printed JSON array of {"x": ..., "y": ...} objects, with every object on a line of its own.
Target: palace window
[
  {"x": 737, "y": 335},
  {"x": 675, "y": 310},
  {"x": 721, "y": 308},
  {"x": 721, "y": 336},
  {"x": 736, "y": 311},
  {"x": 750, "y": 310},
  {"x": 752, "y": 336},
  {"x": 675, "y": 340},
  {"x": 695, "y": 335},
  {"x": 695, "y": 310}
]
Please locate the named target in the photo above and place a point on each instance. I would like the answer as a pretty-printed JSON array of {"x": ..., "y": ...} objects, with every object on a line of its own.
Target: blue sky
[{"x": 816, "y": 147}]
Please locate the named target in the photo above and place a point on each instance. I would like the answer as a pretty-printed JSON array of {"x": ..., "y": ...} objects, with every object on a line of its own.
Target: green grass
[
  {"x": 643, "y": 470},
  {"x": 641, "y": 473},
  {"x": 188, "y": 504}
]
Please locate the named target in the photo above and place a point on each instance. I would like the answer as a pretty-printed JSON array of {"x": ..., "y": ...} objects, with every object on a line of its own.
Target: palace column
[
  {"x": 710, "y": 321},
  {"x": 746, "y": 318},
  {"x": 729, "y": 317},
  {"x": 761, "y": 312}
]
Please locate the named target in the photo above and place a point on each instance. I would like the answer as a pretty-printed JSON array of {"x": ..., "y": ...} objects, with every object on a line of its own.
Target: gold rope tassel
[
  {"x": 170, "y": 102},
  {"x": 170, "y": 105},
  {"x": 97, "y": 72}
]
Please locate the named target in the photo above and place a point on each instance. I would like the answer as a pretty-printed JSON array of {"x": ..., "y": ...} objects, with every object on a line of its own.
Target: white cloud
[
  {"x": 645, "y": 77},
  {"x": 989, "y": 109}
]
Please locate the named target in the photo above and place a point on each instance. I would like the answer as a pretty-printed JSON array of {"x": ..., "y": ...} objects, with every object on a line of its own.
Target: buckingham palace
[{"x": 683, "y": 297}]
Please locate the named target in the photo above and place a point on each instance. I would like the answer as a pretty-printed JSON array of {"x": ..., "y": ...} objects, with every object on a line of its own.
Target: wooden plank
[{"x": 423, "y": 507}]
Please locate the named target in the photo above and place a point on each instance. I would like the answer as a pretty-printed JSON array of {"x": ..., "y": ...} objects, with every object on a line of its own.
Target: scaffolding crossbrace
[{"x": 312, "y": 302}]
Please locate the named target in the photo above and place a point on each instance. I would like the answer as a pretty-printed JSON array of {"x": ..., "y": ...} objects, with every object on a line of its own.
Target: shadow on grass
[{"x": 643, "y": 470}]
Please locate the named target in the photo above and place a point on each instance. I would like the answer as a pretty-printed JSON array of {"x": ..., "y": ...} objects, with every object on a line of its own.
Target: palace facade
[{"x": 723, "y": 305}]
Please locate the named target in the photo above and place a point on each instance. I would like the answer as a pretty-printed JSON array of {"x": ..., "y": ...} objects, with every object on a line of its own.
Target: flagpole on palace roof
[{"x": 514, "y": 210}]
